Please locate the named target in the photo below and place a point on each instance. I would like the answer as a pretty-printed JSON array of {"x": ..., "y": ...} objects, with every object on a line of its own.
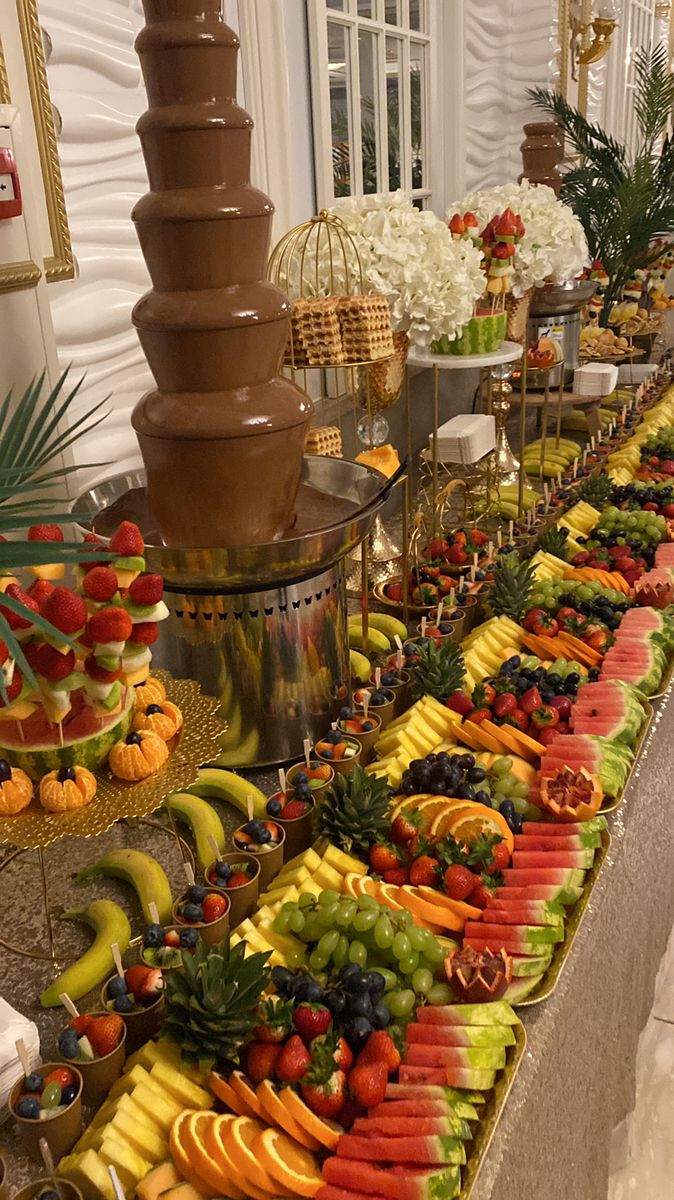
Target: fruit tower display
[
  {"x": 222, "y": 437},
  {"x": 498, "y": 241}
]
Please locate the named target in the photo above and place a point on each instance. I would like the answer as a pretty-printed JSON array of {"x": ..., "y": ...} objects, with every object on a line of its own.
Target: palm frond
[{"x": 653, "y": 93}]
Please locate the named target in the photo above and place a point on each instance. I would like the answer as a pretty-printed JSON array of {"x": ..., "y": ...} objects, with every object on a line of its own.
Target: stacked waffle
[
  {"x": 324, "y": 439},
  {"x": 337, "y": 330}
]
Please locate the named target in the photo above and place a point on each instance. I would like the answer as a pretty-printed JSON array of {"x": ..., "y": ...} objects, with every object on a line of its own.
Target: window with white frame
[{"x": 370, "y": 74}]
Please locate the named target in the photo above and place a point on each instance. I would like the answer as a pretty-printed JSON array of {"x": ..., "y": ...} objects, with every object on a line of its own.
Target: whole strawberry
[
  {"x": 384, "y": 857},
  {"x": 104, "y": 1033},
  {"x": 100, "y": 585},
  {"x": 111, "y": 624},
  {"x": 19, "y": 620},
  {"x": 145, "y": 633},
  {"x": 45, "y": 533},
  {"x": 368, "y": 1083},
  {"x": 127, "y": 541},
  {"x": 295, "y": 809},
  {"x": 293, "y": 1062},
  {"x": 325, "y": 1098},
  {"x": 275, "y": 1017},
  {"x": 214, "y": 907},
  {"x": 146, "y": 590},
  {"x": 53, "y": 665},
  {"x": 65, "y": 610},
  {"x": 425, "y": 871},
  {"x": 339, "y": 1048},
  {"x": 261, "y": 1060},
  {"x": 311, "y": 1020},
  {"x": 404, "y": 828},
  {"x": 380, "y": 1047},
  {"x": 39, "y": 590},
  {"x": 13, "y": 689}
]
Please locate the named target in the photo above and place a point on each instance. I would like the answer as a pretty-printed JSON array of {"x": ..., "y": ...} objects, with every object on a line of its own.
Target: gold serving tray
[
  {"x": 638, "y": 747},
  {"x": 665, "y": 684},
  {"x": 198, "y": 742},
  {"x": 490, "y": 1113},
  {"x": 550, "y": 980}
]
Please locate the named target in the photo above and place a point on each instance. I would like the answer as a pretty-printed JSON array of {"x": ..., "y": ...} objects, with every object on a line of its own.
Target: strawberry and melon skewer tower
[
  {"x": 86, "y": 663},
  {"x": 498, "y": 243}
]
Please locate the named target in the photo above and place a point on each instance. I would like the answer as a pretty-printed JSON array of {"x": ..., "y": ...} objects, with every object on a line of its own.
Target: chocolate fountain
[{"x": 249, "y": 535}]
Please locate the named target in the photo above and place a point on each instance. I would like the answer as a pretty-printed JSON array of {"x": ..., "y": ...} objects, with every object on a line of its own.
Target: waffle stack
[
  {"x": 324, "y": 439},
  {"x": 338, "y": 330}
]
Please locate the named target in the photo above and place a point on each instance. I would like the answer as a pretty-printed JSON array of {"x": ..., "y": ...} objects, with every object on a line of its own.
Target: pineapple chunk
[
  {"x": 264, "y": 913},
  {"x": 328, "y": 878},
  {"x": 151, "y": 1146},
  {"x": 128, "y": 1164},
  {"x": 160, "y": 1107},
  {"x": 130, "y": 1079},
  {"x": 294, "y": 877},
  {"x": 279, "y": 895},
  {"x": 163, "y": 1051},
  {"x": 89, "y": 1173},
  {"x": 283, "y": 942},
  {"x": 160, "y": 1179},
  {"x": 343, "y": 862}
]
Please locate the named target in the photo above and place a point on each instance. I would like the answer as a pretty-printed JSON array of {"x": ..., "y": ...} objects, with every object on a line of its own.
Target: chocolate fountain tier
[
  {"x": 196, "y": 145},
  {"x": 185, "y": 61},
  {"x": 263, "y": 628}
]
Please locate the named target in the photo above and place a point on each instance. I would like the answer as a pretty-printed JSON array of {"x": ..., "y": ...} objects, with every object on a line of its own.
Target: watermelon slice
[
  {"x": 529, "y": 964},
  {"x": 521, "y": 987},
  {"x": 582, "y": 859},
  {"x": 462, "y": 1077},
  {"x": 460, "y": 1035},
  {"x": 411, "y": 1091},
  {"x": 496, "y": 1013},
  {"x": 520, "y": 876},
  {"x": 564, "y": 829},
  {"x": 536, "y": 912},
  {"x": 483, "y": 1058},
  {"x": 511, "y": 946},
  {"x": 397, "y": 1126},
  {"x": 402, "y": 1149},
  {"x": 531, "y": 934},
  {"x": 575, "y": 841},
  {"x": 541, "y": 891},
  {"x": 87, "y": 738},
  {"x": 350, "y": 1179}
]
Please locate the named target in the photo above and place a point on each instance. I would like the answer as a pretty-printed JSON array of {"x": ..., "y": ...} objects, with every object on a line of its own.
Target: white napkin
[{"x": 12, "y": 1027}]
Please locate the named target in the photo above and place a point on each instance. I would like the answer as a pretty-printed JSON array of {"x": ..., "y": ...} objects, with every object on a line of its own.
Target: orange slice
[
  {"x": 464, "y": 733},
  {"x": 278, "y": 1114},
  {"x": 293, "y": 1166},
  {"x": 442, "y": 824},
  {"x": 193, "y": 1139},
  {"x": 389, "y": 895},
  {"x": 460, "y": 907},
  {"x": 217, "y": 1148},
  {"x": 440, "y": 918},
  {"x": 424, "y": 804},
  {"x": 468, "y": 827},
  {"x": 232, "y": 1099},
  {"x": 239, "y": 1137},
  {"x": 327, "y": 1133},
  {"x": 246, "y": 1093},
  {"x": 348, "y": 885},
  {"x": 181, "y": 1159}
]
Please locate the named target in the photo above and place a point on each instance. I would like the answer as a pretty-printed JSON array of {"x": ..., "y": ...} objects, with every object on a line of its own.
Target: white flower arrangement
[
  {"x": 553, "y": 249},
  {"x": 408, "y": 256}
]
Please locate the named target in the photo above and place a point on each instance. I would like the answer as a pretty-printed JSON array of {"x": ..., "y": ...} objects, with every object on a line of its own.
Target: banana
[
  {"x": 202, "y": 820},
  {"x": 225, "y": 785},
  {"x": 386, "y": 624},
  {"x": 376, "y": 642},
  {"x": 142, "y": 872},
  {"x": 242, "y": 755},
  {"x": 110, "y": 924},
  {"x": 360, "y": 666}
]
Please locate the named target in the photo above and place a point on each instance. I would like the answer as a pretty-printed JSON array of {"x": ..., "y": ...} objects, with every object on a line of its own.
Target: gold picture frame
[{"x": 60, "y": 264}]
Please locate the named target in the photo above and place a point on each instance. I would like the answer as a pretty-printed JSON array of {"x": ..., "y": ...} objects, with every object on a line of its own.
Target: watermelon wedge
[
  {"x": 411, "y": 1091},
  {"x": 496, "y": 1013},
  {"x": 520, "y": 876},
  {"x": 532, "y": 934},
  {"x": 397, "y": 1126},
  {"x": 483, "y": 1058},
  {"x": 411, "y": 1150},
  {"x": 555, "y": 893},
  {"x": 529, "y": 964},
  {"x": 462, "y": 1077},
  {"x": 575, "y": 841},
  {"x": 350, "y": 1179},
  {"x": 537, "y": 912},
  {"x": 460, "y": 1035},
  {"x": 425, "y": 1108},
  {"x": 581, "y": 859}
]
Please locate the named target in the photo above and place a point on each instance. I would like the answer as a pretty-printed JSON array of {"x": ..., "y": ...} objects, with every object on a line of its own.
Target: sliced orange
[
  {"x": 460, "y": 907},
  {"x": 348, "y": 886},
  {"x": 327, "y": 1133},
  {"x": 232, "y": 1099},
  {"x": 246, "y": 1093},
  {"x": 391, "y": 896},
  {"x": 467, "y": 828},
  {"x": 239, "y": 1137},
  {"x": 424, "y": 804},
  {"x": 293, "y": 1166},
  {"x": 278, "y": 1114},
  {"x": 181, "y": 1159},
  {"x": 465, "y": 734},
  {"x": 217, "y": 1148},
  {"x": 444, "y": 821},
  {"x": 439, "y": 918},
  {"x": 193, "y": 1139}
]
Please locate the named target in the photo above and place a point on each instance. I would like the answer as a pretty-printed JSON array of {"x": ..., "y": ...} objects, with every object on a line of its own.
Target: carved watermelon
[{"x": 87, "y": 739}]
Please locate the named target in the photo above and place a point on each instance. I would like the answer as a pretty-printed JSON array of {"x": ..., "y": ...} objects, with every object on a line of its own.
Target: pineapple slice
[
  {"x": 129, "y": 1081},
  {"x": 151, "y": 1146},
  {"x": 163, "y": 1051},
  {"x": 308, "y": 858},
  {"x": 281, "y": 894},
  {"x": 89, "y": 1173},
  {"x": 160, "y": 1107},
  {"x": 186, "y": 1092},
  {"x": 343, "y": 862},
  {"x": 285, "y": 943},
  {"x": 294, "y": 878},
  {"x": 129, "y": 1165},
  {"x": 328, "y": 878}
]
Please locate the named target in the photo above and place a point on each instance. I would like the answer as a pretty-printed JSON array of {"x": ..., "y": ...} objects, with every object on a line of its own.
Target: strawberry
[
  {"x": 4, "y": 652},
  {"x": 325, "y": 1098},
  {"x": 275, "y": 1019},
  {"x": 343, "y": 1055},
  {"x": 104, "y": 1034},
  {"x": 404, "y": 828},
  {"x": 127, "y": 541},
  {"x": 62, "y": 1075},
  {"x": 295, "y": 809},
  {"x": 112, "y": 624},
  {"x": 16, "y": 620},
  {"x": 92, "y": 543},
  {"x": 457, "y": 555},
  {"x": 100, "y": 584},
  {"x": 237, "y": 879},
  {"x": 45, "y": 533},
  {"x": 293, "y": 1061},
  {"x": 82, "y": 1024},
  {"x": 500, "y": 858},
  {"x": 261, "y": 1059},
  {"x": 459, "y": 882},
  {"x": 398, "y": 876},
  {"x": 214, "y": 907},
  {"x": 380, "y": 1047},
  {"x": 481, "y": 896},
  {"x": 383, "y": 857},
  {"x": 53, "y": 666},
  {"x": 459, "y": 702},
  {"x": 146, "y": 589},
  {"x": 367, "y": 1083},
  {"x": 145, "y": 633},
  {"x": 145, "y": 983},
  {"x": 425, "y": 871},
  {"x": 101, "y": 674},
  {"x": 13, "y": 689},
  {"x": 311, "y": 1020},
  {"x": 172, "y": 938},
  {"x": 39, "y": 590},
  {"x": 65, "y": 610}
]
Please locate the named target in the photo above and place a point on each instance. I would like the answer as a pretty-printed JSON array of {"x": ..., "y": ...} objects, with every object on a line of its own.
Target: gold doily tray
[
  {"x": 115, "y": 800},
  {"x": 490, "y": 1113},
  {"x": 550, "y": 980}
]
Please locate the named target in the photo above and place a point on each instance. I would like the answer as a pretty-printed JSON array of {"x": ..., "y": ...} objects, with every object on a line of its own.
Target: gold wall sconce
[{"x": 599, "y": 29}]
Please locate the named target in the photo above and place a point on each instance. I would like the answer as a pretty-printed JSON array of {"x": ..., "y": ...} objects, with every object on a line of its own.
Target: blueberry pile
[
  {"x": 258, "y": 831},
  {"x": 355, "y": 999}
]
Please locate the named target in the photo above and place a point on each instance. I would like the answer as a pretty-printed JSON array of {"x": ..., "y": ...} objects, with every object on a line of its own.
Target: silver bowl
[{"x": 554, "y": 299}]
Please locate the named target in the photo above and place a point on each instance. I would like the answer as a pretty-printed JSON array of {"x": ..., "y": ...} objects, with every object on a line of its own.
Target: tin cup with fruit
[
  {"x": 205, "y": 910},
  {"x": 163, "y": 945},
  {"x": 47, "y": 1103},
  {"x": 339, "y": 751},
  {"x": 137, "y": 995},
  {"x": 394, "y": 679},
  {"x": 319, "y": 776},
  {"x": 365, "y": 727},
  {"x": 380, "y": 702},
  {"x": 239, "y": 874},
  {"x": 95, "y": 1043},
  {"x": 293, "y": 809},
  {"x": 265, "y": 839}
]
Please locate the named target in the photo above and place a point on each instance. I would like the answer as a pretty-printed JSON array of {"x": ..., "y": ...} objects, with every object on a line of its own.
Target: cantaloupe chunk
[
  {"x": 184, "y": 1191},
  {"x": 160, "y": 1179}
]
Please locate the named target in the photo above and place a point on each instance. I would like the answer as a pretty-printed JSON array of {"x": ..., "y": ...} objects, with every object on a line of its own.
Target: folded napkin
[{"x": 12, "y": 1027}]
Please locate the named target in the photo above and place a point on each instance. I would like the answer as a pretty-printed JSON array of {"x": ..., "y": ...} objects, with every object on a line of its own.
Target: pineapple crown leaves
[
  {"x": 554, "y": 541},
  {"x": 211, "y": 1004},
  {"x": 438, "y": 671},
  {"x": 355, "y": 811},
  {"x": 511, "y": 589},
  {"x": 596, "y": 490},
  {"x": 276, "y": 1013}
]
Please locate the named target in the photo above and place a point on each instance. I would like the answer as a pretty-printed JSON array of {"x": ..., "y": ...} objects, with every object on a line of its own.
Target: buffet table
[{"x": 576, "y": 1081}]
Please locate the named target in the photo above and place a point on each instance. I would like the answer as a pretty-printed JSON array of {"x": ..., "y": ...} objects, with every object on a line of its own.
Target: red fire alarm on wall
[{"x": 10, "y": 188}]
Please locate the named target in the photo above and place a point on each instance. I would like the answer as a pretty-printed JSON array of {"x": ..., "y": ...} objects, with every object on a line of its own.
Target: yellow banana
[
  {"x": 386, "y": 624},
  {"x": 143, "y": 873},
  {"x": 202, "y": 820},
  {"x": 225, "y": 785},
  {"x": 360, "y": 666},
  {"x": 110, "y": 924},
  {"x": 376, "y": 641}
]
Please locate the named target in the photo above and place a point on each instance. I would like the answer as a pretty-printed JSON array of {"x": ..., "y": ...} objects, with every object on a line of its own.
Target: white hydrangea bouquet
[
  {"x": 553, "y": 249},
  {"x": 430, "y": 281}
]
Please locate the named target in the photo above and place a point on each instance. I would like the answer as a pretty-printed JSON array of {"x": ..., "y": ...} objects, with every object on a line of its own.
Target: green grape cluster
[
  {"x": 546, "y": 593},
  {"x": 343, "y": 930},
  {"x": 649, "y": 526},
  {"x": 504, "y": 785}
]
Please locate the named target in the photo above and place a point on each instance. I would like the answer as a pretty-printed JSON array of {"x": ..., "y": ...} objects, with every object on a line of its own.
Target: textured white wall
[{"x": 509, "y": 47}]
